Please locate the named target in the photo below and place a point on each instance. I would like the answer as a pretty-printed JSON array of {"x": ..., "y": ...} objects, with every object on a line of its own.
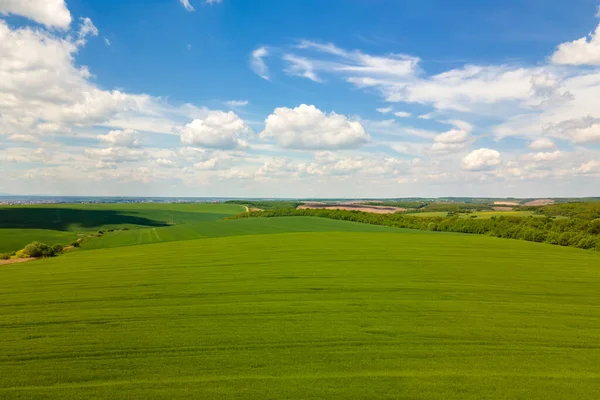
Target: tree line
[{"x": 573, "y": 232}]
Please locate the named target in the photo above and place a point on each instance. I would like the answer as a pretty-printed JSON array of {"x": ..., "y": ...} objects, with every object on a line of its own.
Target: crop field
[
  {"x": 62, "y": 224},
  {"x": 253, "y": 226},
  {"x": 316, "y": 315}
]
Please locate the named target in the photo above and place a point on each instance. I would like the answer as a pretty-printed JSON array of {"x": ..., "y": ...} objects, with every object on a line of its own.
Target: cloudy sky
[{"x": 300, "y": 98}]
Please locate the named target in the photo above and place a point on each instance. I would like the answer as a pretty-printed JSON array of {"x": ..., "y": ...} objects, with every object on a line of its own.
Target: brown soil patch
[
  {"x": 16, "y": 260},
  {"x": 505, "y": 203},
  {"x": 539, "y": 202},
  {"x": 352, "y": 207},
  {"x": 502, "y": 208}
]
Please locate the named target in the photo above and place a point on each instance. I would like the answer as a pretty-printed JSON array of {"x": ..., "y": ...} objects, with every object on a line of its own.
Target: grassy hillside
[
  {"x": 61, "y": 224},
  {"x": 305, "y": 315},
  {"x": 251, "y": 226}
]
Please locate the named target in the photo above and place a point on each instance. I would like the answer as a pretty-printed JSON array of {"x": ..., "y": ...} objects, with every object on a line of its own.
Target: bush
[
  {"x": 57, "y": 249},
  {"x": 37, "y": 250},
  {"x": 75, "y": 244},
  {"x": 5, "y": 256}
]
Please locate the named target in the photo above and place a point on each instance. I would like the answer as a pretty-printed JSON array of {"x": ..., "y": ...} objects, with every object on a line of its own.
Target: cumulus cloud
[
  {"x": 43, "y": 91},
  {"x": 481, "y": 160},
  {"x": 580, "y": 131},
  {"x": 218, "y": 130},
  {"x": 116, "y": 154},
  {"x": 542, "y": 143},
  {"x": 402, "y": 114},
  {"x": 307, "y": 127},
  {"x": 544, "y": 156},
  {"x": 583, "y": 51},
  {"x": 385, "y": 110},
  {"x": 51, "y": 13},
  {"x": 257, "y": 62},
  {"x": 590, "y": 167},
  {"x": 165, "y": 162},
  {"x": 453, "y": 140},
  {"x": 125, "y": 138}
]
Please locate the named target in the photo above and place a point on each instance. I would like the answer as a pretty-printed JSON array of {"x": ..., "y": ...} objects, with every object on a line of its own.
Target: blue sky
[{"x": 296, "y": 98}]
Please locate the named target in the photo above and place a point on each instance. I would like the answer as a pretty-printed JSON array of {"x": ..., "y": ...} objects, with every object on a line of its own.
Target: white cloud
[
  {"x": 23, "y": 138},
  {"x": 589, "y": 167},
  {"x": 87, "y": 28},
  {"x": 481, "y": 160},
  {"x": 186, "y": 4},
  {"x": 41, "y": 87},
  {"x": 51, "y": 13},
  {"x": 116, "y": 154},
  {"x": 583, "y": 51},
  {"x": 300, "y": 66},
  {"x": 544, "y": 156},
  {"x": 579, "y": 131},
  {"x": 542, "y": 143},
  {"x": 126, "y": 138},
  {"x": 212, "y": 1},
  {"x": 588, "y": 134},
  {"x": 218, "y": 130},
  {"x": 385, "y": 110},
  {"x": 165, "y": 162},
  {"x": 453, "y": 140},
  {"x": 237, "y": 103},
  {"x": 402, "y": 114},
  {"x": 258, "y": 64},
  {"x": 306, "y": 127},
  {"x": 107, "y": 42}
]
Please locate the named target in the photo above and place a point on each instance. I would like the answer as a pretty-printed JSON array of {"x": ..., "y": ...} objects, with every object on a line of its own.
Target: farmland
[
  {"x": 297, "y": 315},
  {"x": 190, "y": 301},
  {"x": 62, "y": 224}
]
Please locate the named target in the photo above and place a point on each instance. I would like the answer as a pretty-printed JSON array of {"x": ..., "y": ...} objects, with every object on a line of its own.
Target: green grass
[
  {"x": 249, "y": 226},
  {"x": 61, "y": 224},
  {"x": 305, "y": 316},
  {"x": 16, "y": 239}
]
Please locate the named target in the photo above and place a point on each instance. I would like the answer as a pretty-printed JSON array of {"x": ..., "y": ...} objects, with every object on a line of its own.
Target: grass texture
[{"x": 357, "y": 315}]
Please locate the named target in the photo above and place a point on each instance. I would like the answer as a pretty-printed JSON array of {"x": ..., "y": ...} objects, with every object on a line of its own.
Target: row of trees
[
  {"x": 584, "y": 210},
  {"x": 574, "y": 232}
]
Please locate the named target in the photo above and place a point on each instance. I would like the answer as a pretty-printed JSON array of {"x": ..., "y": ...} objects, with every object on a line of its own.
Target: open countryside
[
  {"x": 299, "y": 200},
  {"x": 211, "y": 300}
]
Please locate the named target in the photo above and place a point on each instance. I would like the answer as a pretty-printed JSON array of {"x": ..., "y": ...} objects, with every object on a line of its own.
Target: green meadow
[
  {"x": 184, "y": 304},
  {"x": 63, "y": 224},
  {"x": 357, "y": 315}
]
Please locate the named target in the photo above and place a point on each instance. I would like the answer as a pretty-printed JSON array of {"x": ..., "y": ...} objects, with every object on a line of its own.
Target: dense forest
[{"x": 583, "y": 233}]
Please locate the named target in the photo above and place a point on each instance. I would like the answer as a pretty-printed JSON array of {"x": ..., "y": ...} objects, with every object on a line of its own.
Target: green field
[
  {"x": 358, "y": 315},
  {"x": 62, "y": 224},
  {"x": 250, "y": 226}
]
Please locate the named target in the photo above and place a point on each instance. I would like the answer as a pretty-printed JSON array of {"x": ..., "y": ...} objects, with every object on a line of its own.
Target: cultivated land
[
  {"x": 305, "y": 315},
  {"x": 183, "y": 304},
  {"x": 62, "y": 224}
]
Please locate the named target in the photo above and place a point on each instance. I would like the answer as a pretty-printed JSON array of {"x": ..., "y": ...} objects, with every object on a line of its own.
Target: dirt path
[
  {"x": 350, "y": 207},
  {"x": 16, "y": 260}
]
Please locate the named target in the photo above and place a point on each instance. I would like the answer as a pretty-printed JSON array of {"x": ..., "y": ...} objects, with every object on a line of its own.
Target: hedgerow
[{"x": 574, "y": 232}]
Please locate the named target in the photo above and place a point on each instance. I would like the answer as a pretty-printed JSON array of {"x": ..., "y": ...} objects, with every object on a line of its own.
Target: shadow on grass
[{"x": 61, "y": 219}]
